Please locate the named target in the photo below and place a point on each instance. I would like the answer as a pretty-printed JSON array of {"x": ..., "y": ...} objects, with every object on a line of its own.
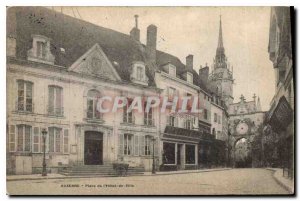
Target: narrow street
[{"x": 235, "y": 181}]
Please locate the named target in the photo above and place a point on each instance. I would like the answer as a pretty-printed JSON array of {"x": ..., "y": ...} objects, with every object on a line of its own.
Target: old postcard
[{"x": 150, "y": 101}]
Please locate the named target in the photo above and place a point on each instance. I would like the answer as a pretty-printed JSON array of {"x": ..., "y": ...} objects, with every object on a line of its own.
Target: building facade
[
  {"x": 58, "y": 69},
  {"x": 279, "y": 119}
]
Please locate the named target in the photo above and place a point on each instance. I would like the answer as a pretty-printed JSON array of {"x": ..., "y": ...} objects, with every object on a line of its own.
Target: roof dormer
[
  {"x": 40, "y": 51},
  {"x": 138, "y": 73}
]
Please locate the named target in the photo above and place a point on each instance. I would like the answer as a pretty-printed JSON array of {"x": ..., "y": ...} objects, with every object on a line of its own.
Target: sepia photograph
[{"x": 150, "y": 100}]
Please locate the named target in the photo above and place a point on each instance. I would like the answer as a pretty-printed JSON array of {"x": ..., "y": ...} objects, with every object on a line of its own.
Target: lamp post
[
  {"x": 153, "y": 162},
  {"x": 44, "y": 134}
]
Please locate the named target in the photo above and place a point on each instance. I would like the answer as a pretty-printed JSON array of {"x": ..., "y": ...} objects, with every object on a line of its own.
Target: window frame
[
  {"x": 56, "y": 130},
  {"x": 57, "y": 111},
  {"x": 23, "y": 145},
  {"x": 26, "y": 85},
  {"x": 96, "y": 115},
  {"x": 128, "y": 144}
]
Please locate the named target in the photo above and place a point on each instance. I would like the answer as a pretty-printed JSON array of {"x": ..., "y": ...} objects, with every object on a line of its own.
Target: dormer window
[
  {"x": 172, "y": 70},
  {"x": 138, "y": 74},
  {"x": 189, "y": 77},
  {"x": 40, "y": 51}
]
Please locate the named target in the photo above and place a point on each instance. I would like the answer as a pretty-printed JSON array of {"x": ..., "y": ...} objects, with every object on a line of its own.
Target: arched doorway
[
  {"x": 93, "y": 148},
  {"x": 242, "y": 153}
]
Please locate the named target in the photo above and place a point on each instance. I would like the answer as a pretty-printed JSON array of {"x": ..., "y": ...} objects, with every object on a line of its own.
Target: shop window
[
  {"x": 190, "y": 154},
  {"x": 168, "y": 153}
]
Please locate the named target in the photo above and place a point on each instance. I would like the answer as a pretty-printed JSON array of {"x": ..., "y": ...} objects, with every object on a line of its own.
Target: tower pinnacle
[{"x": 220, "y": 58}]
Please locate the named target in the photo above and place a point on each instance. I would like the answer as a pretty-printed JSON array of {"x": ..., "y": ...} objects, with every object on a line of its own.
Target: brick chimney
[
  {"x": 151, "y": 42},
  {"x": 203, "y": 73},
  {"x": 135, "y": 32},
  {"x": 189, "y": 61}
]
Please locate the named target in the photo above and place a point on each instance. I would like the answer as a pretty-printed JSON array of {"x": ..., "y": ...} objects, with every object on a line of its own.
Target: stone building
[
  {"x": 245, "y": 118},
  {"x": 280, "y": 118},
  {"x": 57, "y": 68}
]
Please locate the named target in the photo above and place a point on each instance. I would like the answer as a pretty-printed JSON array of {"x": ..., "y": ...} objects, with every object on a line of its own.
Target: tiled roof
[{"x": 75, "y": 36}]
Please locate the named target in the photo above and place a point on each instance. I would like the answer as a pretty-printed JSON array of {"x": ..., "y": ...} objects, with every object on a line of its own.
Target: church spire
[
  {"x": 220, "y": 41},
  {"x": 220, "y": 58}
]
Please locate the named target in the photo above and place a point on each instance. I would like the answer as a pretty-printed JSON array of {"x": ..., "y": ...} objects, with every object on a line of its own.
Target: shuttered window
[
  {"x": 24, "y": 138},
  {"x": 36, "y": 139},
  {"x": 142, "y": 145},
  {"x": 121, "y": 144},
  {"x": 136, "y": 145},
  {"x": 55, "y": 139},
  {"x": 12, "y": 138},
  {"x": 66, "y": 141}
]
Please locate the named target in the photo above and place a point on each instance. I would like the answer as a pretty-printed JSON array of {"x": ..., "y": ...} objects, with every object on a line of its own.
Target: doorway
[{"x": 93, "y": 148}]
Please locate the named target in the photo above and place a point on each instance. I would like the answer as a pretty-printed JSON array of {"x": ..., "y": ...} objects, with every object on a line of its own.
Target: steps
[{"x": 99, "y": 170}]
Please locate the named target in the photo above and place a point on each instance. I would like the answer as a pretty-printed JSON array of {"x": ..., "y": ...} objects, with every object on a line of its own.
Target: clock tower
[{"x": 221, "y": 78}]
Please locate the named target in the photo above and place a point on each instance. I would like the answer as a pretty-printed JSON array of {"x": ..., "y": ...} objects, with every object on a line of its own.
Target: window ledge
[
  {"x": 93, "y": 120},
  {"x": 23, "y": 112},
  {"x": 56, "y": 116}
]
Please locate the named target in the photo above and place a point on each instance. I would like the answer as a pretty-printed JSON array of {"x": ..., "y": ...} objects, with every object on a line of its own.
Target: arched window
[{"x": 92, "y": 100}]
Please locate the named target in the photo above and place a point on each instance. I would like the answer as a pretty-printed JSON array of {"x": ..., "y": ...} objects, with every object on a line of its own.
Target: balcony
[
  {"x": 55, "y": 111},
  {"x": 93, "y": 117},
  {"x": 20, "y": 107},
  {"x": 128, "y": 119},
  {"x": 149, "y": 122}
]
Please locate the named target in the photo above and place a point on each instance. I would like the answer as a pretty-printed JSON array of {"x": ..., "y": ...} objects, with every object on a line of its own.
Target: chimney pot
[{"x": 135, "y": 32}]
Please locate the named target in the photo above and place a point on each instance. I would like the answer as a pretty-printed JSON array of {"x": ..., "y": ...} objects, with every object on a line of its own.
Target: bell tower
[{"x": 221, "y": 77}]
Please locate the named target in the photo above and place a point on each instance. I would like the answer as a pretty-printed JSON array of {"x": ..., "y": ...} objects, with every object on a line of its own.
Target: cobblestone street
[{"x": 235, "y": 181}]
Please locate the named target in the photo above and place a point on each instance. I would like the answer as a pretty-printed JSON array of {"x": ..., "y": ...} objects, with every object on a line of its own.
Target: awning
[
  {"x": 280, "y": 116},
  {"x": 176, "y": 133}
]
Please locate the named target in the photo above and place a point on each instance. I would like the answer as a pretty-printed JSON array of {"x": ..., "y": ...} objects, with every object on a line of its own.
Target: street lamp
[
  {"x": 44, "y": 134},
  {"x": 153, "y": 162}
]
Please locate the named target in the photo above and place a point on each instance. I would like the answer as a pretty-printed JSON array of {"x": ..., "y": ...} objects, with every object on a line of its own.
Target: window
[
  {"x": 205, "y": 114},
  {"x": 92, "y": 100},
  {"x": 24, "y": 138},
  {"x": 41, "y": 49},
  {"x": 36, "y": 139},
  {"x": 24, "y": 102},
  {"x": 219, "y": 119},
  {"x": 55, "y": 139},
  {"x": 190, "y": 154},
  {"x": 171, "y": 92},
  {"x": 215, "y": 118},
  {"x": 140, "y": 73},
  {"x": 148, "y": 117},
  {"x": 148, "y": 149},
  {"x": 172, "y": 121},
  {"x": 128, "y": 144},
  {"x": 168, "y": 153},
  {"x": 172, "y": 70},
  {"x": 188, "y": 123},
  {"x": 55, "y": 101},
  {"x": 214, "y": 131},
  {"x": 128, "y": 116},
  {"x": 189, "y": 78}
]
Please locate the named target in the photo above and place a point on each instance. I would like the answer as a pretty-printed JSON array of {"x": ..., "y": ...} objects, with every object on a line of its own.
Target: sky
[{"x": 194, "y": 30}]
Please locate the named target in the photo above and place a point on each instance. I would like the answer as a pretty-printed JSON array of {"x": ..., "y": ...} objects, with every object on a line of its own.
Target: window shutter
[
  {"x": 36, "y": 140},
  {"x": 66, "y": 141},
  {"x": 168, "y": 120},
  {"x": 156, "y": 147},
  {"x": 51, "y": 100},
  {"x": 136, "y": 145},
  {"x": 121, "y": 144},
  {"x": 176, "y": 122},
  {"x": 142, "y": 145},
  {"x": 12, "y": 138}
]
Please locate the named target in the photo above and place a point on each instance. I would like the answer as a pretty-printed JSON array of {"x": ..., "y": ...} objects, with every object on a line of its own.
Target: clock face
[{"x": 242, "y": 128}]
